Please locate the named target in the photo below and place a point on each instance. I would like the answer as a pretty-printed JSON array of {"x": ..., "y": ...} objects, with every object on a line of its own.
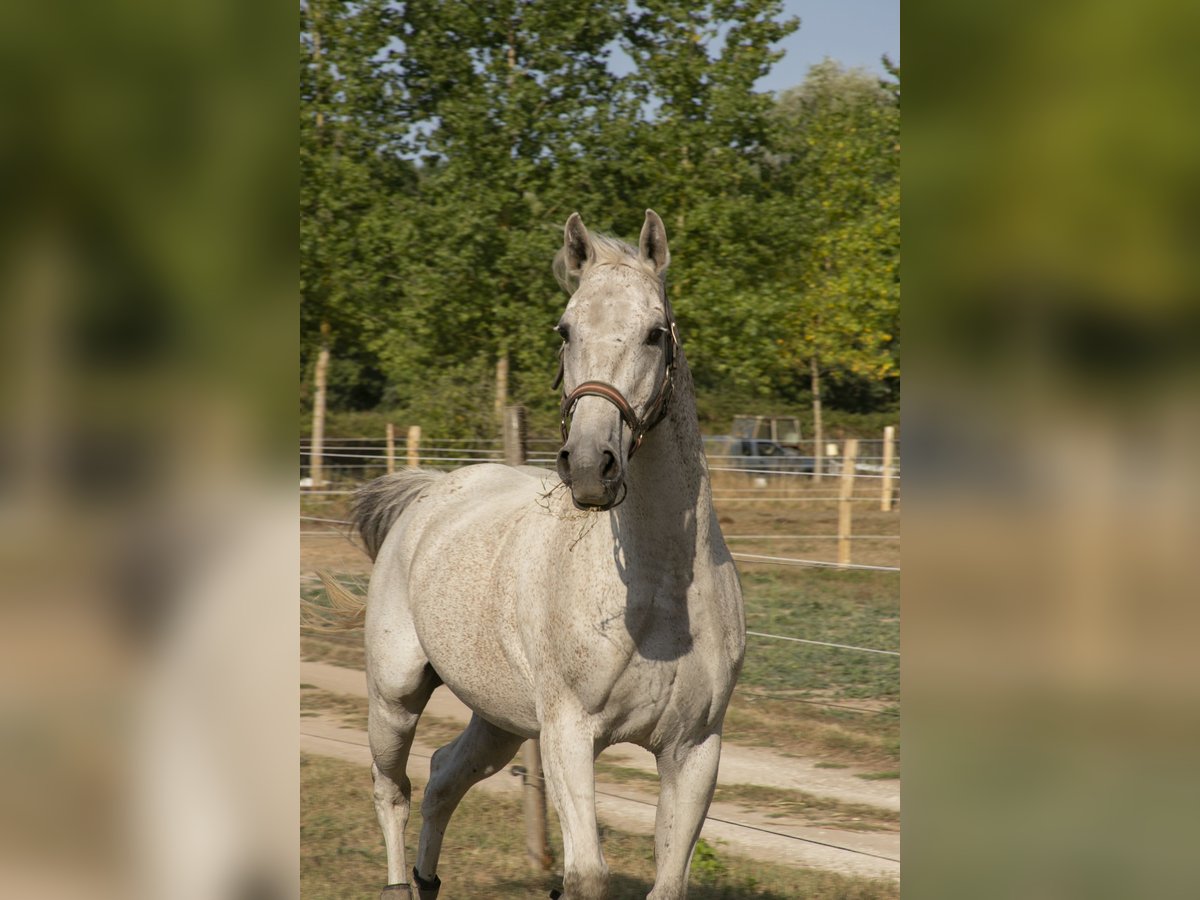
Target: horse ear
[
  {"x": 652, "y": 245},
  {"x": 577, "y": 245}
]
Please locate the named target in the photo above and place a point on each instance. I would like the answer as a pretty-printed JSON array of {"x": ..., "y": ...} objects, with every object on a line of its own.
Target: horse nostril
[
  {"x": 608, "y": 470},
  {"x": 564, "y": 465}
]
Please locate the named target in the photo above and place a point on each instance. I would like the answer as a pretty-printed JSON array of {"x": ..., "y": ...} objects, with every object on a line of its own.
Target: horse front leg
[
  {"x": 568, "y": 760},
  {"x": 688, "y": 776}
]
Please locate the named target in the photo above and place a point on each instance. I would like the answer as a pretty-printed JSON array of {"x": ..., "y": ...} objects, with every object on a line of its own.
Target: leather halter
[{"x": 656, "y": 410}]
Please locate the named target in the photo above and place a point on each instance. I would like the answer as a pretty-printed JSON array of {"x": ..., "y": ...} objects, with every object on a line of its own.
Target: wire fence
[
  {"x": 740, "y": 557},
  {"x": 810, "y": 563},
  {"x": 718, "y": 496},
  {"x": 723, "y": 453},
  {"x": 728, "y": 537}
]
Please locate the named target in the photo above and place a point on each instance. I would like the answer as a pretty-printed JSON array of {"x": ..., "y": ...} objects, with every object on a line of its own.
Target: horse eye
[
  {"x": 655, "y": 335},
  {"x": 563, "y": 332}
]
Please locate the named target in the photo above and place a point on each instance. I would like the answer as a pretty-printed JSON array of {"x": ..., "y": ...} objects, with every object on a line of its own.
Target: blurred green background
[
  {"x": 149, "y": 327},
  {"x": 1050, "y": 682}
]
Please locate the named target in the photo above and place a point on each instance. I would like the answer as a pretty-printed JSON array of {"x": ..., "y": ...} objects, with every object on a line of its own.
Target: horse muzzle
[{"x": 593, "y": 473}]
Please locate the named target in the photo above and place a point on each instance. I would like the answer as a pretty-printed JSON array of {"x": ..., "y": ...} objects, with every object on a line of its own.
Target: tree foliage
[
  {"x": 842, "y": 137},
  {"x": 443, "y": 144}
]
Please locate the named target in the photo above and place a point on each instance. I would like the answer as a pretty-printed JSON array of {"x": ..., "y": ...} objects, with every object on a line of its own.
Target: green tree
[
  {"x": 700, "y": 148},
  {"x": 443, "y": 144},
  {"x": 350, "y": 173},
  {"x": 512, "y": 106},
  {"x": 518, "y": 121},
  {"x": 840, "y": 140}
]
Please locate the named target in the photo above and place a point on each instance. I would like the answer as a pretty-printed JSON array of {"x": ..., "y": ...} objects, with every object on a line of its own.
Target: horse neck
[{"x": 668, "y": 478}]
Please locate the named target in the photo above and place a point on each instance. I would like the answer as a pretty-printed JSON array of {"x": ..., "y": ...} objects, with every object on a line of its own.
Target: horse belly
[
  {"x": 473, "y": 647},
  {"x": 495, "y": 693}
]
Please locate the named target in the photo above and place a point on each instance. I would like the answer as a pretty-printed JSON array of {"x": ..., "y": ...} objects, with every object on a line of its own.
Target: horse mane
[{"x": 606, "y": 251}]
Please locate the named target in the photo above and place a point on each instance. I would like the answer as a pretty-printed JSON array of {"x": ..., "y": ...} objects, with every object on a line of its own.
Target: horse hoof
[
  {"x": 396, "y": 892},
  {"x": 426, "y": 890}
]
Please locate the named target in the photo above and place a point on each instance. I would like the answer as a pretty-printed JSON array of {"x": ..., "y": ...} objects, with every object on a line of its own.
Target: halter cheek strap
[{"x": 656, "y": 411}]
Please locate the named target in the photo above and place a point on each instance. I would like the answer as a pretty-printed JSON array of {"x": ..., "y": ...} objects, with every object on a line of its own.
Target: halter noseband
[{"x": 656, "y": 410}]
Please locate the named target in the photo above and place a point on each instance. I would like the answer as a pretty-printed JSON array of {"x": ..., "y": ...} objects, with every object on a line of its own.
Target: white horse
[{"x": 599, "y": 608}]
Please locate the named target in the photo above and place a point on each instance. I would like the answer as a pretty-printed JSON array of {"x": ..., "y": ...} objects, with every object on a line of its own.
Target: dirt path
[{"x": 770, "y": 838}]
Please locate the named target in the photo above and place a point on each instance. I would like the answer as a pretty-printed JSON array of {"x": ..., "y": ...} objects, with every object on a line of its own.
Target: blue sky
[{"x": 854, "y": 32}]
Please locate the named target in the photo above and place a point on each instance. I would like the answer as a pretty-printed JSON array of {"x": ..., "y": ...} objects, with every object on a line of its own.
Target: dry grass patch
[
  {"x": 339, "y": 650},
  {"x": 832, "y": 736}
]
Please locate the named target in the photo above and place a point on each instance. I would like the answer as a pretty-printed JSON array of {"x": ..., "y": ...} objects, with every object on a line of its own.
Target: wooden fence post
[
  {"x": 889, "y": 458},
  {"x": 514, "y": 435},
  {"x": 537, "y": 844},
  {"x": 845, "y": 496},
  {"x": 414, "y": 445},
  {"x": 317, "y": 447},
  {"x": 501, "y": 387},
  {"x": 390, "y": 431}
]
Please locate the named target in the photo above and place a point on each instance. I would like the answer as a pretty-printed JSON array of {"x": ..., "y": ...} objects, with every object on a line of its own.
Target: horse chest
[{"x": 628, "y": 667}]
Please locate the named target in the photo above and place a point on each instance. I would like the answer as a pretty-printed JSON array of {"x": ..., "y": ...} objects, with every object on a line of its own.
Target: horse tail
[
  {"x": 376, "y": 507},
  {"x": 344, "y": 610},
  {"x": 378, "y": 504}
]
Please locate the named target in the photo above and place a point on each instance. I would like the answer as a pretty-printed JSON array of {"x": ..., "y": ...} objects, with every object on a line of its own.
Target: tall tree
[
  {"x": 840, "y": 137},
  {"x": 700, "y": 159},
  {"x": 350, "y": 169},
  {"x": 520, "y": 120},
  {"x": 508, "y": 102}
]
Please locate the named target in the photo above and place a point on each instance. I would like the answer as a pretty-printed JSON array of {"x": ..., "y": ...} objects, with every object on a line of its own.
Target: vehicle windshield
[{"x": 789, "y": 431}]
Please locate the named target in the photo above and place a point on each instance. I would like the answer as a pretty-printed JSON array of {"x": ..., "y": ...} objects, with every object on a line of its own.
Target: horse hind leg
[
  {"x": 481, "y": 750},
  {"x": 392, "y": 714}
]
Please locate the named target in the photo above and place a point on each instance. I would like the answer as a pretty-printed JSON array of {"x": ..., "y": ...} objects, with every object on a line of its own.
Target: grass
[
  {"x": 835, "y": 736},
  {"x": 349, "y": 710},
  {"x": 855, "y": 608},
  {"x": 342, "y": 855},
  {"x": 340, "y": 650},
  {"x": 881, "y": 776},
  {"x": 822, "y": 811}
]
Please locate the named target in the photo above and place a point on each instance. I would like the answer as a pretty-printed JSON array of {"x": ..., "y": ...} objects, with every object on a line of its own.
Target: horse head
[{"x": 618, "y": 355}]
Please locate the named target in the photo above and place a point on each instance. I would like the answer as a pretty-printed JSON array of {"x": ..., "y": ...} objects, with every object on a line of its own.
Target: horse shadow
[{"x": 647, "y": 595}]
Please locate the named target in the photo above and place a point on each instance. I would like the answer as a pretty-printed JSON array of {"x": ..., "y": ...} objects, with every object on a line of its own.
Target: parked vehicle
[{"x": 763, "y": 443}]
